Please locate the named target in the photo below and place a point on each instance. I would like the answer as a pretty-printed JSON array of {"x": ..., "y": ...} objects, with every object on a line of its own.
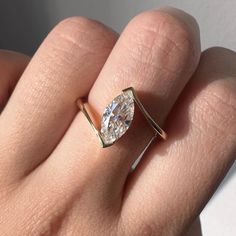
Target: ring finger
[{"x": 156, "y": 54}]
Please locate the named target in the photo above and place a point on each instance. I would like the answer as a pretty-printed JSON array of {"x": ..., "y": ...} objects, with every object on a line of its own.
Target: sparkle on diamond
[{"x": 117, "y": 117}]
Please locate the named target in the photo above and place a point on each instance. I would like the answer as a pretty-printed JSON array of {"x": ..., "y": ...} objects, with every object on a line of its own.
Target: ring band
[{"x": 118, "y": 116}]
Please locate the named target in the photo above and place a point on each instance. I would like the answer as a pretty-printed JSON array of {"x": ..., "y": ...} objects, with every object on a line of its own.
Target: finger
[
  {"x": 176, "y": 179},
  {"x": 157, "y": 63},
  {"x": 195, "y": 229},
  {"x": 43, "y": 103},
  {"x": 12, "y": 65}
]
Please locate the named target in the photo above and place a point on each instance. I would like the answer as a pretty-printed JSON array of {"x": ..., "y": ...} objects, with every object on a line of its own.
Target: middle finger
[{"x": 43, "y": 103}]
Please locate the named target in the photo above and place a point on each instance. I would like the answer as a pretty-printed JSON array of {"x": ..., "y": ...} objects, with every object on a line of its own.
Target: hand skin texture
[{"x": 55, "y": 179}]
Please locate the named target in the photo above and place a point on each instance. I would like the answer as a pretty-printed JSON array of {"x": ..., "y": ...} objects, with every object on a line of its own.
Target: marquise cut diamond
[{"x": 117, "y": 117}]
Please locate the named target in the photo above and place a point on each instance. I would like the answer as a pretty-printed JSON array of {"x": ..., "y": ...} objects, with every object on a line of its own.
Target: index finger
[{"x": 12, "y": 65}]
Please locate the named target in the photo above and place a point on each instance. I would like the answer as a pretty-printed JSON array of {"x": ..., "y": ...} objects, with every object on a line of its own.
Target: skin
[{"x": 54, "y": 177}]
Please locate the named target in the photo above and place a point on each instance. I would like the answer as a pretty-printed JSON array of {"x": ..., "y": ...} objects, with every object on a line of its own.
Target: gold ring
[{"x": 117, "y": 117}]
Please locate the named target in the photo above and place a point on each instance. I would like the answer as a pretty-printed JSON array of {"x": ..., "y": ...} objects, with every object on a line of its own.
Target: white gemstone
[{"x": 117, "y": 117}]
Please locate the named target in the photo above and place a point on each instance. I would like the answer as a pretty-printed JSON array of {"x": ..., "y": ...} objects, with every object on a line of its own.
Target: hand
[{"x": 55, "y": 179}]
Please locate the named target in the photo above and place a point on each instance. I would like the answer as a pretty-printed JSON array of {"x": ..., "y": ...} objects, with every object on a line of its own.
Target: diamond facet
[{"x": 117, "y": 117}]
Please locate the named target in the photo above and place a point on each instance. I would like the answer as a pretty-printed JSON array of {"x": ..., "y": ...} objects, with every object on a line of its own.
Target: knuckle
[
  {"x": 80, "y": 33},
  {"x": 76, "y": 21},
  {"x": 159, "y": 31},
  {"x": 156, "y": 19},
  {"x": 217, "y": 51},
  {"x": 216, "y": 57},
  {"x": 220, "y": 106}
]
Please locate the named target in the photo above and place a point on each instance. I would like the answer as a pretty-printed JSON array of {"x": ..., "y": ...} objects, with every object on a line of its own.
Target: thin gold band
[
  {"x": 82, "y": 107},
  {"x": 153, "y": 124},
  {"x": 158, "y": 130}
]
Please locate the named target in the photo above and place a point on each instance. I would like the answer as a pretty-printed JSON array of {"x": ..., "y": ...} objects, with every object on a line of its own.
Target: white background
[{"x": 23, "y": 24}]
